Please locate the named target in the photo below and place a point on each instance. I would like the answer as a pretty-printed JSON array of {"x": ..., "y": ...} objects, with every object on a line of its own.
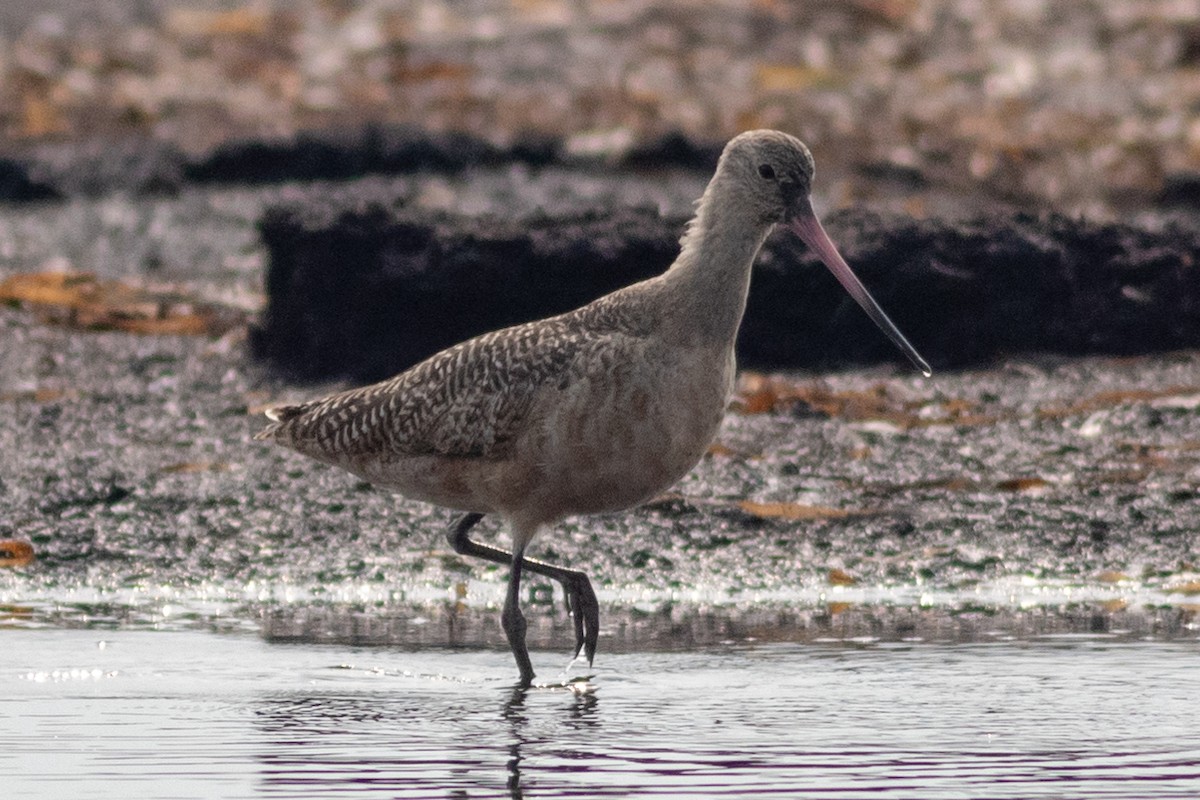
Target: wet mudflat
[
  {"x": 1039, "y": 489},
  {"x": 1034, "y": 495},
  {"x": 192, "y": 714},
  {"x": 1034, "y": 482}
]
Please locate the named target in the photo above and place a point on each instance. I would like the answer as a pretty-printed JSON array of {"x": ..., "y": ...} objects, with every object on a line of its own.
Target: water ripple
[{"x": 207, "y": 715}]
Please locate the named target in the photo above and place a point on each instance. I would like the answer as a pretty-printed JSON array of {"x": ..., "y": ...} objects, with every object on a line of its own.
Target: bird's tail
[{"x": 279, "y": 416}]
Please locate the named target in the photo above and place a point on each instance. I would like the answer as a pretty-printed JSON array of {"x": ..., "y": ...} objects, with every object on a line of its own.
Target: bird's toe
[{"x": 585, "y": 612}]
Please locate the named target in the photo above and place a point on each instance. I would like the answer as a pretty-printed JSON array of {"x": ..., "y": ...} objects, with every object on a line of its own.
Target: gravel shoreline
[
  {"x": 1067, "y": 486},
  {"x": 1085, "y": 107}
]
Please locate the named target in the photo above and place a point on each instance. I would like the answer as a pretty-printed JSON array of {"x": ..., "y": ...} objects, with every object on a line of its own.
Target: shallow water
[{"x": 186, "y": 714}]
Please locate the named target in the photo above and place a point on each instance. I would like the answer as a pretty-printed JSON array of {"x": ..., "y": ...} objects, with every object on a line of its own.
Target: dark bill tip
[{"x": 806, "y": 225}]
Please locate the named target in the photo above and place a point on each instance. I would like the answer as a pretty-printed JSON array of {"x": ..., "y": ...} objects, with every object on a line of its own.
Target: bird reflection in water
[{"x": 581, "y": 714}]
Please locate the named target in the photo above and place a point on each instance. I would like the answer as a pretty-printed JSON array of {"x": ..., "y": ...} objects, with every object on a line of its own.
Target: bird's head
[{"x": 771, "y": 174}]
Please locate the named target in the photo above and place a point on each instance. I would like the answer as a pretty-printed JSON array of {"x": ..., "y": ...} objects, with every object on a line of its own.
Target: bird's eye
[{"x": 766, "y": 171}]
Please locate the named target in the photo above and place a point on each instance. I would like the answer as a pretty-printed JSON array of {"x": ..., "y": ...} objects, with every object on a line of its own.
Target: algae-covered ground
[{"x": 1034, "y": 494}]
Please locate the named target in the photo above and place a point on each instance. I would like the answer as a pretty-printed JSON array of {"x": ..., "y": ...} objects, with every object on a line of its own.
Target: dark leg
[
  {"x": 513, "y": 622},
  {"x": 581, "y": 599}
]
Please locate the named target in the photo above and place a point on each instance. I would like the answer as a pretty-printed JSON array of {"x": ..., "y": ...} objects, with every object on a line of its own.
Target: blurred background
[{"x": 1084, "y": 107}]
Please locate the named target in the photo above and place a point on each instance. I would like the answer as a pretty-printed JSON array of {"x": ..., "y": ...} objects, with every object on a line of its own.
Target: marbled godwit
[{"x": 595, "y": 410}]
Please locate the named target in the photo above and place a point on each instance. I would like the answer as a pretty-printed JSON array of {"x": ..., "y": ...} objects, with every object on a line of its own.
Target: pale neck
[{"x": 708, "y": 283}]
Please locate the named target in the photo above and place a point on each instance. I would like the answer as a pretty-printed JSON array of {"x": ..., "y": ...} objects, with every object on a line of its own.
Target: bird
[{"x": 593, "y": 411}]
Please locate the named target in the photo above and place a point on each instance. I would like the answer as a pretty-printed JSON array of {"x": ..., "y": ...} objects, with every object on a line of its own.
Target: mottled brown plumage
[
  {"x": 469, "y": 400},
  {"x": 591, "y": 411}
]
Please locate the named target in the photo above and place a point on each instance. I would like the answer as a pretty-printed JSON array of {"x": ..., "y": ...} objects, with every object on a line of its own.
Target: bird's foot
[{"x": 585, "y": 613}]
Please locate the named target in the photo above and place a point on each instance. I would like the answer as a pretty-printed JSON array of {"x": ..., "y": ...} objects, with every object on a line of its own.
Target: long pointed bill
[{"x": 808, "y": 228}]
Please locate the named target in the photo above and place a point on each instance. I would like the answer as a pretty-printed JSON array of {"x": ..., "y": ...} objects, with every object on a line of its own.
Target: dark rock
[
  {"x": 536, "y": 149},
  {"x": 16, "y": 186},
  {"x": 383, "y": 149},
  {"x": 967, "y": 293},
  {"x": 674, "y": 149},
  {"x": 138, "y": 166},
  {"x": 901, "y": 175},
  {"x": 365, "y": 292},
  {"x": 1181, "y": 190},
  {"x": 257, "y": 161},
  {"x": 147, "y": 166},
  {"x": 1189, "y": 46},
  {"x": 373, "y": 149}
]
